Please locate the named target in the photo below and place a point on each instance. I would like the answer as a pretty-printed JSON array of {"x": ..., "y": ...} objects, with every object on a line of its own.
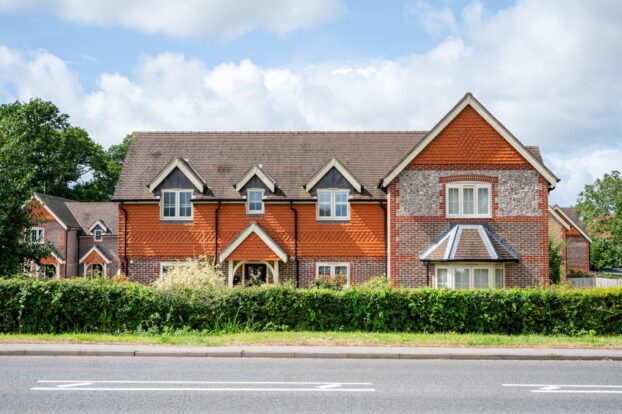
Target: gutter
[
  {"x": 67, "y": 252},
  {"x": 125, "y": 261},
  {"x": 216, "y": 232},
  {"x": 291, "y": 206},
  {"x": 386, "y": 241}
]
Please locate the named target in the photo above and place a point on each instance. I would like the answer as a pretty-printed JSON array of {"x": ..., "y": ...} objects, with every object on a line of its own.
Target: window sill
[
  {"x": 255, "y": 215},
  {"x": 175, "y": 221},
  {"x": 333, "y": 221}
]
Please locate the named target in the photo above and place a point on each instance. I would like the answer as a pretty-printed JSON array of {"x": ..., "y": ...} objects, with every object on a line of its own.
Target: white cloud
[
  {"x": 552, "y": 73},
  {"x": 435, "y": 21},
  {"x": 187, "y": 18}
]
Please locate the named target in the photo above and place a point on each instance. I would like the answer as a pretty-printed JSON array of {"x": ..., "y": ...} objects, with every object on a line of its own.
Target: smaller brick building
[
  {"x": 565, "y": 227},
  {"x": 83, "y": 237}
]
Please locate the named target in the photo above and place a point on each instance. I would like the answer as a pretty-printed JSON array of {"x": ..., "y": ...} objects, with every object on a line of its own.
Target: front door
[{"x": 255, "y": 274}]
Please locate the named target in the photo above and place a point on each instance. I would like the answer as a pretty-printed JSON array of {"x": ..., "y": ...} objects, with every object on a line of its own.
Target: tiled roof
[
  {"x": 571, "y": 212},
  {"x": 81, "y": 215},
  {"x": 88, "y": 213},
  {"x": 290, "y": 158},
  {"x": 58, "y": 206},
  {"x": 469, "y": 242}
]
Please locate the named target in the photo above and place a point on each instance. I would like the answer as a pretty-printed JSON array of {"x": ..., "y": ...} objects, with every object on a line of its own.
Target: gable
[
  {"x": 255, "y": 182},
  {"x": 253, "y": 248},
  {"x": 472, "y": 142},
  {"x": 176, "y": 179},
  {"x": 469, "y": 139},
  {"x": 333, "y": 179},
  {"x": 40, "y": 213}
]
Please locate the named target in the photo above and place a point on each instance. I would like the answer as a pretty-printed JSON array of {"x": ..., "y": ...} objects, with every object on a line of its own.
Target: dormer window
[
  {"x": 469, "y": 200},
  {"x": 98, "y": 235},
  {"x": 333, "y": 205},
  {"x": 254, "y": 201},
  {"x": 176, "y": 205}
]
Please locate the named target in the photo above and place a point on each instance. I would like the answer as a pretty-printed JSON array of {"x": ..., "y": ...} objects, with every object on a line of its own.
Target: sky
[{"x": 550, "y": 71}]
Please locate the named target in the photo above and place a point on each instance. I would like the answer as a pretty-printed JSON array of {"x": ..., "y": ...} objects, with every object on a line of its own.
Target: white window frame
[
  {"x": 39, "y": 269},
  {"x": 169, "y": 264},
  {"x": 248, "y": 201},
  {"x": 37, "y": 229},
  {"x": 471, "y": 266},
  {"x": 333, "y": 205},
  {"x": 332, "y": 266},
  {"x": 461, "y": 187},
  {"x": 98, "y": 235},
  {"x": 177, "y": 216},
  {"x": 103, "y": 265}
]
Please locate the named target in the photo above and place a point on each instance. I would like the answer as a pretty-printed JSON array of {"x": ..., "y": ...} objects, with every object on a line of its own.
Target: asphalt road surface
[{"x": 263, "y": 385}]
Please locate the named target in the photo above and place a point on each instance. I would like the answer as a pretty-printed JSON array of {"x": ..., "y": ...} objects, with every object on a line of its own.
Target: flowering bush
[{"x": 198, "y": 273}]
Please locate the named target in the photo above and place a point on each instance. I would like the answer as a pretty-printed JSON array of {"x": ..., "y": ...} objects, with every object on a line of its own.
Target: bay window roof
[{"x": 469, "y": 243}]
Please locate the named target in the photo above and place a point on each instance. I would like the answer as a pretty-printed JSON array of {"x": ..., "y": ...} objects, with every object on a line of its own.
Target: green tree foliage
[
  {"x": 106, "y": 173},
  {"x": 600, "y": 208},
  {"x": 40, "y": 151},
  {"x": 555, "y": 261}
]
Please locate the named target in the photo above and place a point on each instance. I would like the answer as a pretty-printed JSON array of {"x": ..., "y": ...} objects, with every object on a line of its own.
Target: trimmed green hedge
[{"x": 30, "y": 306}]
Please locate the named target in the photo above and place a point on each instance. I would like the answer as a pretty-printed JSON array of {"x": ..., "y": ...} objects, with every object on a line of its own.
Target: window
[
  {"x": 254, "y": 201},
  {"x": 47, "y": 271},
  {"x": 470, "y": 276},
  {"x": 98, "y": 235},
  {"x": 333, "y": 205},
  {"x": 94, "y": 270},
  {"x": 442, "y": 278},
  {"x": 334, "y": 269},
  {"x": 468, "y": 200},
  {"x": 37, "y": 235},
  {"x": 176, "y": 205},
  {"x": 167, "y": 266}
]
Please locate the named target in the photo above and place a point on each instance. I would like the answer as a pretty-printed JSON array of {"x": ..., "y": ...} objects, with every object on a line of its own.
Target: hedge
[{"x": 31, "y": 306}]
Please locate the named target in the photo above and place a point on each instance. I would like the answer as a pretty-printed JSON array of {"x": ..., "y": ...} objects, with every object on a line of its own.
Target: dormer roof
[
  {"x": 256, "y": 171},
  {"x": 333, "y": 163},
  {"x": 184, "y": 166}
]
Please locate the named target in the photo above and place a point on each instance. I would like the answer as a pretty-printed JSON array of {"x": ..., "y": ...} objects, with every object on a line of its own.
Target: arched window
[{"x": 94, "y": 270}]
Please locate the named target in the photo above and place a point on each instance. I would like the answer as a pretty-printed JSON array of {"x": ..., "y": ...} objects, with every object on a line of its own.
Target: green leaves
[
  {"x": 600, "y": 207},
  {"x": 31, "y": 306}
]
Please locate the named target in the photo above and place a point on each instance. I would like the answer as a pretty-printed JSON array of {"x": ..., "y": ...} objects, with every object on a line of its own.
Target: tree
[
  {"x": 15, "y": 213},
  {"x": 57, "y": 154},
  {"x": 555, "y": 261},
  {"x": 600, "y": 208},
  {"x": 41, "y": 151},
  {"x": 106, "y": 173}
]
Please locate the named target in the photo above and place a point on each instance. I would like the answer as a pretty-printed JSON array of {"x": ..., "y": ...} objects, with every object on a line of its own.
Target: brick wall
[
  {"x": 468, "y": 149},
  {"x": 578, "y": 253}
]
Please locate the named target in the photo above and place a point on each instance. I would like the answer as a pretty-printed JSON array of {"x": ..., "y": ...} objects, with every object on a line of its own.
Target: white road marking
[
  {"x": 231, "y": 386},
  {"x": 562, "y": 385},
  {"x": 208, "y": 389},
  {"x": 76, "y": 384},
  {"x": 570, "y": 388},
  {"x": 327, "y": 386},
  {"x": 199, "y": 382}
]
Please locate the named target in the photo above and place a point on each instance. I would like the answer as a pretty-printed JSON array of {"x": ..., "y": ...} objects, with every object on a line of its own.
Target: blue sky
[{"x": 551, "y": 71}]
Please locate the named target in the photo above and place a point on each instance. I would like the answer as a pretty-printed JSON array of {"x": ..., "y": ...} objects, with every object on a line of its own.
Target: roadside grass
[{"x": 322, "y": 338}]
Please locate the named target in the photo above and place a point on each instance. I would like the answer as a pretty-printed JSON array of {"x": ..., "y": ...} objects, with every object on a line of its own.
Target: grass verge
[{"x": 323, "y": 338}]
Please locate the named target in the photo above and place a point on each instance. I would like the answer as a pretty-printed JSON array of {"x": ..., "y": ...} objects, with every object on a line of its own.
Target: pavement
[
  {"x": 85, "y": 385},
  {"x": 335, "y": 352}
]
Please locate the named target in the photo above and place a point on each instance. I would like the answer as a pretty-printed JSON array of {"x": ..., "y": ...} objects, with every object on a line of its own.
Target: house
[
  {"x": 462, "y": 205},
  {"x": 83, "y": 237},
  {"x": 565, "y": 227}
]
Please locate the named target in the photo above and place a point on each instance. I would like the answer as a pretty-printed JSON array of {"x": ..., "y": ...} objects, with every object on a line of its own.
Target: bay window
[
  {"x": 468, "y": 200},
  {"x": 470, "y": 276}
]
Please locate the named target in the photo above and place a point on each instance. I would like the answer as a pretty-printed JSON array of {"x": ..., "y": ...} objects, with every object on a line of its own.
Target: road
[{"x": 264, "y": 385}]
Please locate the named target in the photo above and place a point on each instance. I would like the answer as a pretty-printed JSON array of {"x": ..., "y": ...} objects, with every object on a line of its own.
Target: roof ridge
[{"x": 266, "y": 132}]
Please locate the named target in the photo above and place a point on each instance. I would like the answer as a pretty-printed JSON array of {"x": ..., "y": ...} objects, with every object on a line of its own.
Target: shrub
[
  {"x": 34, "y": 306},
  {"x": 580, "y": 273},
  {"x": 198, "y": 273},
  {"x": 336, "y": 282}
]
